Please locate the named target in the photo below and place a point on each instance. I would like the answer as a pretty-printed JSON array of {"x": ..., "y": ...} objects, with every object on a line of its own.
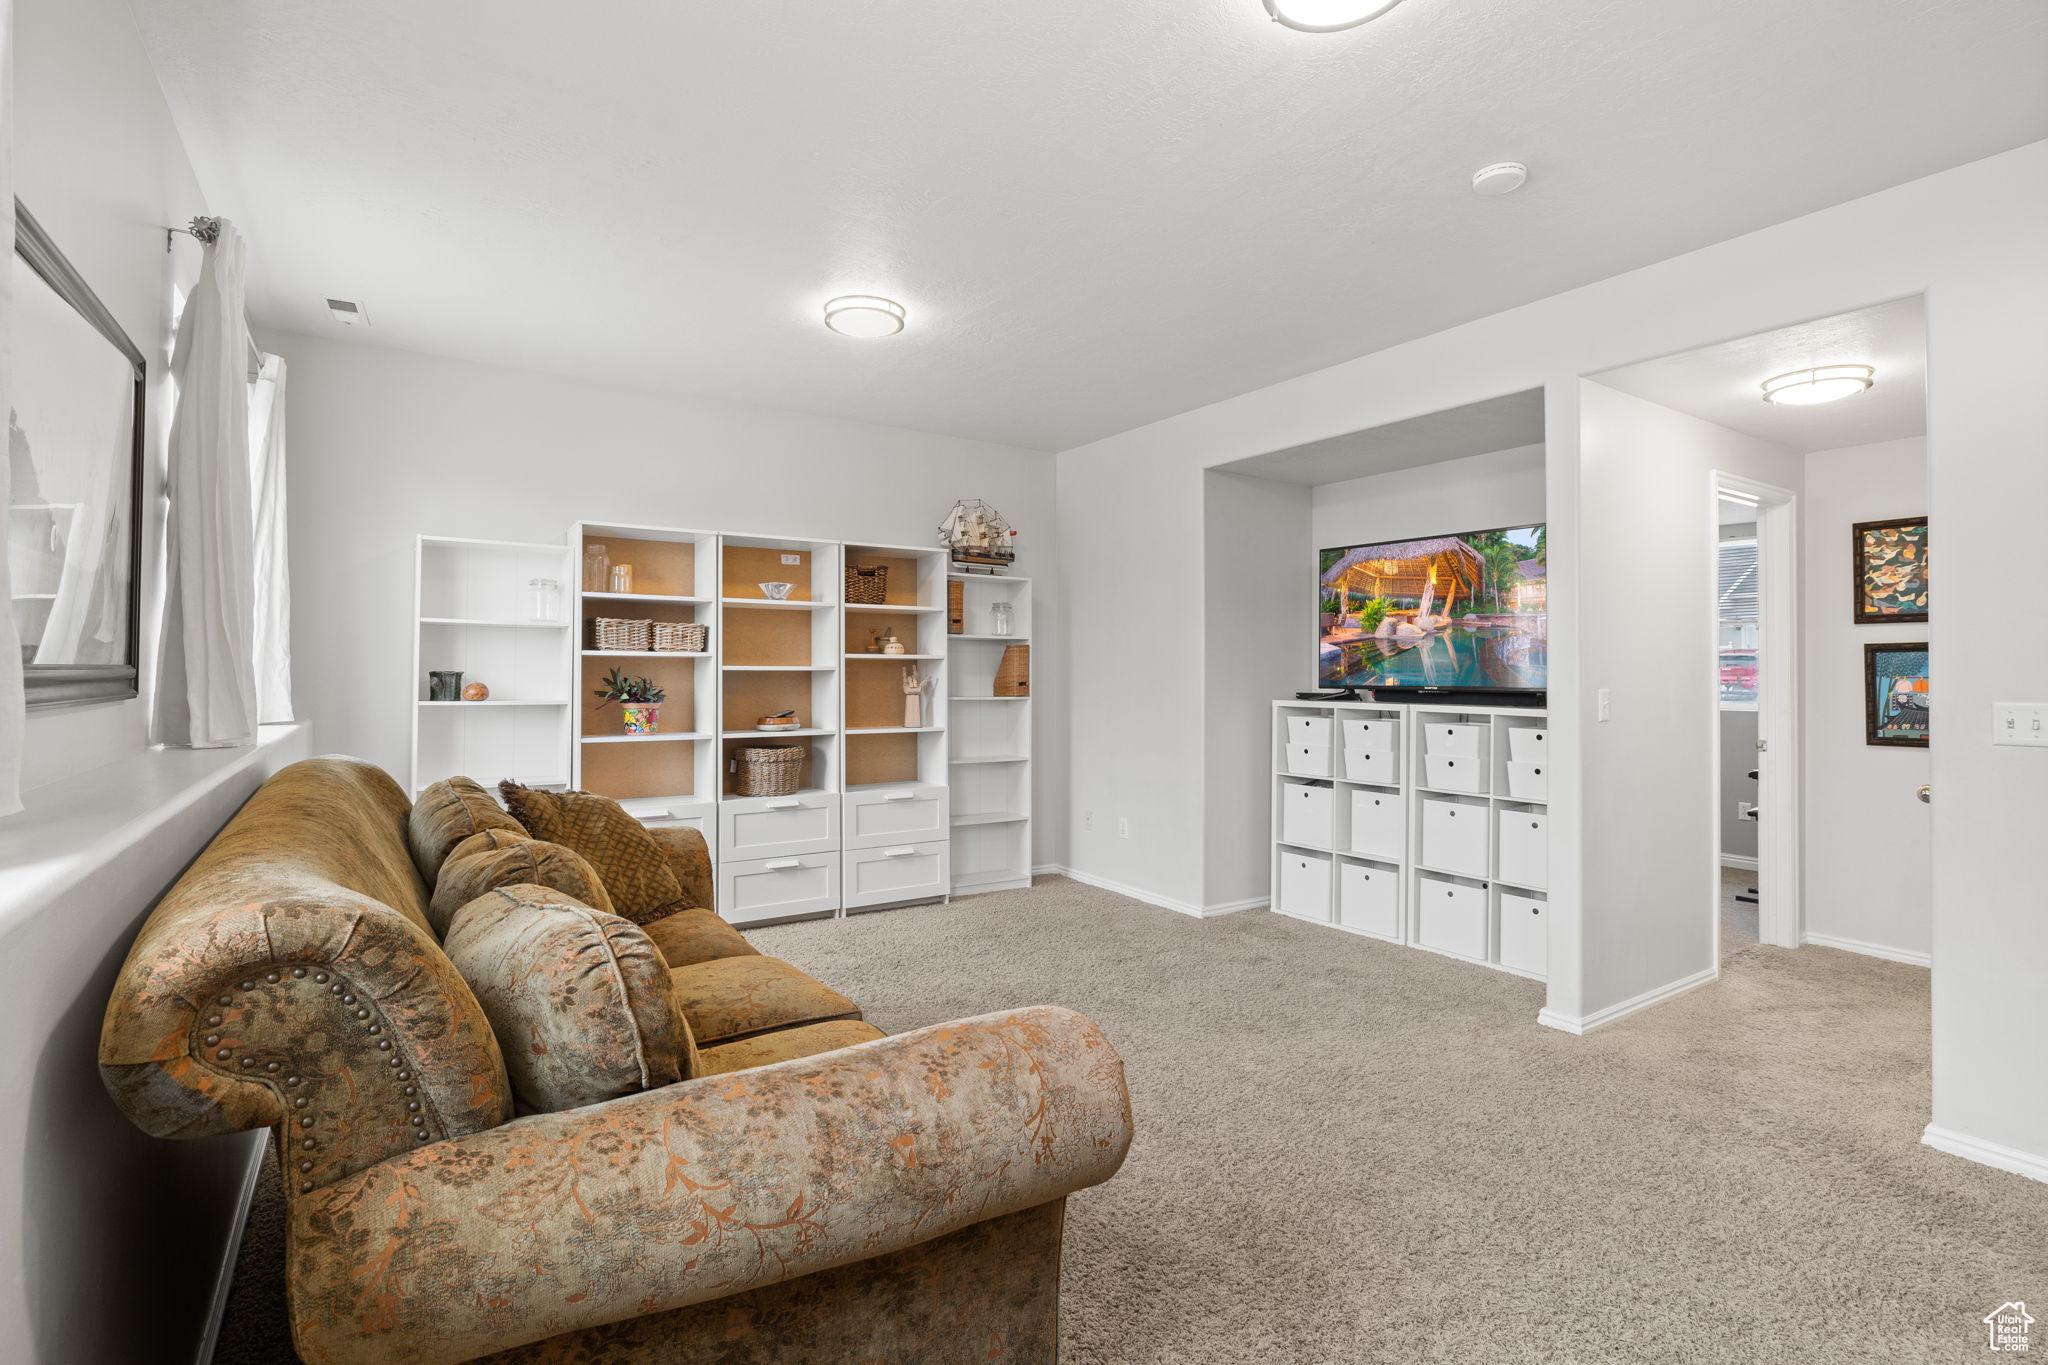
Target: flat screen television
[{"x": 1455, "y": 613}]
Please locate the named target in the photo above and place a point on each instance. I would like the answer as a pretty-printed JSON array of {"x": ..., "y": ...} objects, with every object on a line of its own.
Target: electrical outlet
[
  {"x": 1123, "y": 827},
  {"x": 2019, "y": 722},
  {"x": 792, "y": 559},
  {"x": 1745, "y": 810}
]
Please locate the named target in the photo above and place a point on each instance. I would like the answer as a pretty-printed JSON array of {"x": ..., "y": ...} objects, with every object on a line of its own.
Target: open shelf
[
  {"x": 646, "y": 654},
  {"x": 493, "y": 625},
  {"x": 642, "y": 597},
  {"x": 492, "y": 701},
  {"x": 993, "y": 639},
  {"x": 890, "y": 658},
  {"x": 895, "y": 730},
  {"x": 1000, "y": 817},
  {"x": 658, "y": 737},
  {"x": 994, "y": 758},
  {"x": 779, "y": 668},
  {"x": 809, "y": 732},
  {"x": 908, "y": 608},
  {"x": 771, "y": 604}
]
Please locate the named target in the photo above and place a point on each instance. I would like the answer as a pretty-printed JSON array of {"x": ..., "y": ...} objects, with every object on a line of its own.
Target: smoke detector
[
  {"x": 348, "y": 314},
  {"x": 1502, "y": 177}
]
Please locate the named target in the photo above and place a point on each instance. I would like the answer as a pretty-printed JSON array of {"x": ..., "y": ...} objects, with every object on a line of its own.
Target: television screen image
[{"x": 1462, "y": 611}]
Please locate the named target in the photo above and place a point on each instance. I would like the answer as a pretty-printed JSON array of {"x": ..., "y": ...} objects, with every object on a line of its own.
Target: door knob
[{"x": 1926, "y": 794}]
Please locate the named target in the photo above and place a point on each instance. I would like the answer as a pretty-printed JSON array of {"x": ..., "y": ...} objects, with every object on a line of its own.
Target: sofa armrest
[
  {"x": 713, "y": 1187},
  {"x": 689, "y": 857}
]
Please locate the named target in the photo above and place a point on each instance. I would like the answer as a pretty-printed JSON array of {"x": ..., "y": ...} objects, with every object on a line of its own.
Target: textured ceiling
[
  {"x": 1098, "y": 214},
  {"x": 1722, "y": 383}
]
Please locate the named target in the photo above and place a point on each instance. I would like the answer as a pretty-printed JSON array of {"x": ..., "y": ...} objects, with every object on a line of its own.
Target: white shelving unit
[
  {"x": 990, "y": 753},
  {"x": 473, "y": 612},
  {"x": 1419, "y": 824}
]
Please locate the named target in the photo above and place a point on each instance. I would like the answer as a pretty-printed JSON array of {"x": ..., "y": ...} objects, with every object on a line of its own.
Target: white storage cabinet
[
  {"x": 1369, "y": 898},
  {"x": 1524, "y": 933},
  {"x": 1304, "y": 884},
  {"x": 1524, "y": 847},
  {"x": 1306, "y": 813},
  {"x": 1452, "y": 916}
]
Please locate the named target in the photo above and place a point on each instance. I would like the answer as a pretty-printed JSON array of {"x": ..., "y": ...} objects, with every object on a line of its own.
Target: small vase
[
  {"x": 642, "y": 718},
  {"x": 444, "y": 685}
]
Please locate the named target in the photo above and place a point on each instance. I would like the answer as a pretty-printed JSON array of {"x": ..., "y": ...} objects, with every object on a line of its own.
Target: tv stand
[{"x": 1345, "y": 694}]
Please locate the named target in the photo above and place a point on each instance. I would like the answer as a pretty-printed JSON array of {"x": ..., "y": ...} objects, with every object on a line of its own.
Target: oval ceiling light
[
  {"x": 1818, "y": 384},
  {"x": 864, "y": 315},
  {"x": 1327, "y": 16},
  {"x": 1502, "y": 177}
]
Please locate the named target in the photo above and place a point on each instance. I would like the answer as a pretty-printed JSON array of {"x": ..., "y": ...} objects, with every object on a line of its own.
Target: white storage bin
[
  {"x": 1369, "y": 898},
  {"x": 1377, "y": 735},
  {"x": 1365, "y": 765},
  {"x": 1451, "y": 917},
  {"x": 1455, "y": 741},
  {"x": 1306, "y": 814},
  {"x": 1524, "y": 933},
  {"x": 911, "y": 814},
  {"x": 1304, "y": 884},
  {"x": 776, "y": 888},
  {"x": 1528, "y": 781},
  {"x": 1308, "y": 730},
  {"x": 1308, "y": 760},
  {"x": 1455, "y": 774},
  {"x": 1454, "y": 837},
  {"x": 896, "y": 873},
  {"x": 1528, "y": 746},
  {"x": 1378, "y": 825},
  {"x": 1525, "y": 848},
  {"x": 776, "y": 826}
]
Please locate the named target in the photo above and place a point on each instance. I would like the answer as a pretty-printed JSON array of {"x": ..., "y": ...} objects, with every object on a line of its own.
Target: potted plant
[{"x": 638, "y": 698}]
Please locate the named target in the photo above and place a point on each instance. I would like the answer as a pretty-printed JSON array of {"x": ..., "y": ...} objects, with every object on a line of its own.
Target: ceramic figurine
[{"x": 476, "y": 692}]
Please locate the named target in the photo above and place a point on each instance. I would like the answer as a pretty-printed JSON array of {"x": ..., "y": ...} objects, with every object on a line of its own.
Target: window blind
[{"x": 1738, "y": 580}]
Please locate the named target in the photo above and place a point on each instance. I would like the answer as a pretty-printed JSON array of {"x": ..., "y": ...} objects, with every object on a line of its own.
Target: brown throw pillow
[
  {"x": 493, "y": 858},
  {"x": 447, "y": 813},
  {"x": 581, "y": 1001},
  {"x": 628, "y": 860}
]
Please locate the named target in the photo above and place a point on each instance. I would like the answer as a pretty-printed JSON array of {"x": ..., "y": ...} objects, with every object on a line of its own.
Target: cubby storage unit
[
  {"x": 1436, "y": 833},
  {"x": 988, "y": 737},
  {"x": 475, "y": 611}
]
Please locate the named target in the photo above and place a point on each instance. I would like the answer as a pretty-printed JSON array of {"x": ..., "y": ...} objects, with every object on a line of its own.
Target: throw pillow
[
  {"x": 581, "y": 1001},
  {"x": 628, "y": 860},
  {"x": 447, "y": 813},
  {"x": 493, "y": 858}
]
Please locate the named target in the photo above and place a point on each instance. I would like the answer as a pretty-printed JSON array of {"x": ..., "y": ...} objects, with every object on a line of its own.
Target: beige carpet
[
  {"x": 1738, "y": 920},
  {"x": 1353, "y": 1152}
]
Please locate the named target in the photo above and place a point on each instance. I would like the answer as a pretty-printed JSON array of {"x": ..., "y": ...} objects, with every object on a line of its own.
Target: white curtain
[
  {"x": 273, "y": 578},
  {"x": 206, "y": 664},
  {"x": 13, "y": 712}
]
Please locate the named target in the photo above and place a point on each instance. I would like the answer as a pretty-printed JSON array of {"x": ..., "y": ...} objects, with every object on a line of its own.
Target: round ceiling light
[
  {"x": 864, "y": 315},
  {"x": 1327, "y": 16},
  {"x": 1818, "y": 384},
  {"x": 1502, "y": 177}
]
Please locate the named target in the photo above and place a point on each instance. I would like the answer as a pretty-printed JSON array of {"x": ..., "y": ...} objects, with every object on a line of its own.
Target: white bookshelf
[
  {"x": 990, "y": 741},
  {"x": 1441, "y": 844}
]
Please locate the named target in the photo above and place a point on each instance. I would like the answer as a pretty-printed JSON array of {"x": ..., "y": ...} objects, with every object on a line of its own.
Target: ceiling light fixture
[
  {"x": 1818, "y": 384},
  {"x": 1327, "y": 16},
  {"x": 864, "y": 315},
  {"x": 1502, "y": 177}
]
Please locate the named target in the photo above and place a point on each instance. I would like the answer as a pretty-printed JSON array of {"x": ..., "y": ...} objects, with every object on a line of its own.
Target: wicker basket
[
  {"x": 956, "y": 609},
  {"x": 614, "y": 633},
  {"x": 867, "y": 587},
  {"x": 771, "y": 770},
  {"x": 1013, "y": 674},
  {"x": 675, "y": 637}
]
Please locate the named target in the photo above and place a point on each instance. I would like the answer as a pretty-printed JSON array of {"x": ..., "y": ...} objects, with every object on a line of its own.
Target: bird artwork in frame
[{"x": 1890, "y": 571}]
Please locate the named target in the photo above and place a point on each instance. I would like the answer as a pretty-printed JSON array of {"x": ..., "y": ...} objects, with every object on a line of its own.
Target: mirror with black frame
[{"x": 74, "y": 454}]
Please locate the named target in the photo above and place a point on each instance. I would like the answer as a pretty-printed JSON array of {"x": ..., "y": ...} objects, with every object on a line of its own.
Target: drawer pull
[
  {"x": 903, "y": 852},
  {"x": 647, "y": 815},
  {"x": 899, "y": 796},
  {"x": 782, "y": 864},
  {"x": 789, "y": 804}
]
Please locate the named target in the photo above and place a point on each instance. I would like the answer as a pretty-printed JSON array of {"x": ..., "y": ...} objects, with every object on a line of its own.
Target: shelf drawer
[
  {"x": 1305, "y": 884},
  {"x": 1528, "y": 781},
  {"x": 896, "y": 873},
  {"x": 1379, "y": 825},
  {"x": 775, "y": 888},
  {"x": 1528, "y": 746},
  {"x": 1308, "y": 760},
  {"x": 1454, "y": 774},
  {"x": 1369, "y": 899},
  {"x": 1376, "y": 736},
  {"x": 1305, "y": 814},
  {"x": 1313, "y": 730},
  {"x": 690, "y": 814},
  {"x": 1524, "y": 933},
  {"x": 1525, "y": 847},
  {"x": 1455, "y": 741},
  {"x": 910, "y": 814},
  {"x": 1365, "y": 765},
  {"x": 777, "y": 826},
  {"x": 1451, "y": 917},
  {"x": 1454, "y": 837}
]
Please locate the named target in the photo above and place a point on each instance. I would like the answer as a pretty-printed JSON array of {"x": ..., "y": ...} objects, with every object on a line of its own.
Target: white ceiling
[
  {"x": 1723, "y": 383},
  {"x": 1097, "y": 214},
  {"x": 1504, "y": 423}
]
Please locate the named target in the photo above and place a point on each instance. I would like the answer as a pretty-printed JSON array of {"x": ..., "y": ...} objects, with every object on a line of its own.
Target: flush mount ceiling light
[
  {"x": 864, "y": 315},
  {"x": 1327, "y": 16},
  {"x": 1818, "y": 384},
  {"x": 1502, "y": 177}
]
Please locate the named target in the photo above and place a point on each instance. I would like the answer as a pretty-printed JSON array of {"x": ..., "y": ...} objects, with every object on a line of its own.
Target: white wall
[
  {"x": 1869, "y": 842},
  {"x": 1477, "y": 493},
  {"x": 387, "y": 445},
  {"x": 1969, "y": 239}
]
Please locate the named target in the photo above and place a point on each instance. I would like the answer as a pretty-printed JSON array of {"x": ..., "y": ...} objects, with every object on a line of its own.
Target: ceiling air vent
[{"x": 348, "y": 314}]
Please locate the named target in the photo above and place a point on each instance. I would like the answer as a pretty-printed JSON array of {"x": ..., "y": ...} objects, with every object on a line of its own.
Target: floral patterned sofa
[{"x": 783, "y": 1183}]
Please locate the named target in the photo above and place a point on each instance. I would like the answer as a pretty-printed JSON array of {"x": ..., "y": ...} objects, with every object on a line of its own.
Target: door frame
[{"x": 1780, "y": 918}]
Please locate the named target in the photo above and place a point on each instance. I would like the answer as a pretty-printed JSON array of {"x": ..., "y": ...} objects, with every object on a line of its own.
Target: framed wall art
[
  {"x": 1890, "y": 574},
  {"x": 1895, "y": 695}
]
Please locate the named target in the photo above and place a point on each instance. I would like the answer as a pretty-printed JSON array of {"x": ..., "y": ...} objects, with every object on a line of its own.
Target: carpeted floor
[
  {"x": 1738, "y": 921},
  {"x": 1352, "y": 1152}
]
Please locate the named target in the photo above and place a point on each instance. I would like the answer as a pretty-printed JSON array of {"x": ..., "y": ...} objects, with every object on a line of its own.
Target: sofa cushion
[
  {"x": 737, "y": 996},
  {"x": 580, "y": 1000},
  {"x": 493, "y": 858},
  {"x": 698, "y": 935},
  {"x": 632, "y": 866},
  {"x": 783, "y": 1045},
  {"x": 446, "y": 813}
]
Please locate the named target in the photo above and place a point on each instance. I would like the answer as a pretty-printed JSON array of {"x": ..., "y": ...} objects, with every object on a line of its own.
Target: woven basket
[
  {"x": 674, "y": 637},
  {"x": 614, "y": 633},
  {"x": 956, "y": 608},
  {"x": 867, "y": 587},
  {"x": 773, "y": 770},
  {"x": 1013, "y": 675}
]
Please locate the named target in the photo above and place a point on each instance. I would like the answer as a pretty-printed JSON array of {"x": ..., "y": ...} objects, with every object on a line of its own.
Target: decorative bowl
[{"x": 776, "y": 592}]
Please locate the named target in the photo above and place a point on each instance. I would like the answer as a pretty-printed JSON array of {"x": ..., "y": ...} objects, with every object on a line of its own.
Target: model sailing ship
[{"x": 979, "y": 540}]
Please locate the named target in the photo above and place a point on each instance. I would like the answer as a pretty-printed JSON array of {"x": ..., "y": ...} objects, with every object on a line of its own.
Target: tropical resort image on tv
[{"x": 1463, "y": 611}]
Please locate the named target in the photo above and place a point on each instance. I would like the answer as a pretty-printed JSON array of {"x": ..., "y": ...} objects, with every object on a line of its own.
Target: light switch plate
[
  {"x": 792, "y": 559},
  {"x": 2023, "y": 723}
]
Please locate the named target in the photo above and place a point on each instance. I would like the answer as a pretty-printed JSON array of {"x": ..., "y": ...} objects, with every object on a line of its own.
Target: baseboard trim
[
  {"x": 1986, "y": 1153},
  {"x": 1566, "y": 1023},
  {"x": 224, "y": 1276},
  {"x": 1857, "y": 945},
  {"x": 1232, "y": 907},
  {"x": 1737, "y": 860},
  {"x": 1187, "y": 908}
]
